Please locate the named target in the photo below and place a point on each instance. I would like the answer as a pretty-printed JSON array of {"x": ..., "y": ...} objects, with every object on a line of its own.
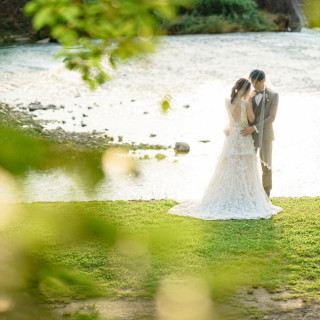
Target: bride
[{"x": 235, "y": 190}]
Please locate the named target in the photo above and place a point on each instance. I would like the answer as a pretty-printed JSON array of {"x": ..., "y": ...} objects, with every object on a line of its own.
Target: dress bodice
[{"x": 242, "y": 119}]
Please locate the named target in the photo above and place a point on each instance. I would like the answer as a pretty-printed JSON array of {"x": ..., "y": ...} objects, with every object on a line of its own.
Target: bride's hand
[{"x": 247, "y": 130}]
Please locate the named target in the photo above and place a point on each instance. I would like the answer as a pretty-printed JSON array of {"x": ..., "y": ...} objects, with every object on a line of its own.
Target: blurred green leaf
[
  {"x": 43, "y": 17},
  {"x": 130, "y": 26},
  {"x": 312, "y": 11},
  {"x": 165, "y": 104}
]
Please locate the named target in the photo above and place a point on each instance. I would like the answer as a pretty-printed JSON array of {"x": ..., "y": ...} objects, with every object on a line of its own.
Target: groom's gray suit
[{"x": 271, "y": 107}]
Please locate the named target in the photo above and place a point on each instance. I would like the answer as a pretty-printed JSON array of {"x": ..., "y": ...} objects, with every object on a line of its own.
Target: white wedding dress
[{"x": 235, "y": 190}]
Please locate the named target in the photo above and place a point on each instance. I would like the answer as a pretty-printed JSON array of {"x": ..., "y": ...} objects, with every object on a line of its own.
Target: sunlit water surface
[{"x": 198, "y": 71}]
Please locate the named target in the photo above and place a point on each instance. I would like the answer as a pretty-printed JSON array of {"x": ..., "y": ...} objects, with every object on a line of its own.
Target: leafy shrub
[
  {"x": 219, "y": 16},
  {"x": 226, "y": 8},
  {"x": 190, "y": 24}
]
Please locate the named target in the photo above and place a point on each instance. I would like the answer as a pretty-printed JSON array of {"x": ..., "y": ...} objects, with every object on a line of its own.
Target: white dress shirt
[{"x": 258, "y": 98}]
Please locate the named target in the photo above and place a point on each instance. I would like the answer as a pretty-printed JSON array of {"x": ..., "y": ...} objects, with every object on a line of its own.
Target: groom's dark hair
[{"x": 257, "y": 75}]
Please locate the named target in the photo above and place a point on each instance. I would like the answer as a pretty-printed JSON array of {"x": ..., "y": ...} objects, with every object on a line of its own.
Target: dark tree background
[{"x": 12, "y": 19}]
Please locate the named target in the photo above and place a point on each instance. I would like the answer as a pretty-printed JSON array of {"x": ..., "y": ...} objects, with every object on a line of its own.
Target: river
[{"x": 197, "y": 72}]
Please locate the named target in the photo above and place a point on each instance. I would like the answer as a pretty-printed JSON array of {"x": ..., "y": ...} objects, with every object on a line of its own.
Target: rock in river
[{"x": 181, "y": 147}]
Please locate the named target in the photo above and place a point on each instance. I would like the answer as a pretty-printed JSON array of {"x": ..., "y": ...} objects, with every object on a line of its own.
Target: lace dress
[{"x": 235, "y": 190}]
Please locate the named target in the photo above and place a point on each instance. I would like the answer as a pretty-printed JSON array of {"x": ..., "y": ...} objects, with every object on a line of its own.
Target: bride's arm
[{"x": 250, "y": 114}]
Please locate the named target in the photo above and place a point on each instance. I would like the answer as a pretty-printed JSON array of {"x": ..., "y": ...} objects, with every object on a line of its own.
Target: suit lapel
[{"x": 268, "y": 100}]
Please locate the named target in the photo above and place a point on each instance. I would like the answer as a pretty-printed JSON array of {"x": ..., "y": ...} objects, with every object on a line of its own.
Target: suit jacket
[{"x": 271, "y": 108}]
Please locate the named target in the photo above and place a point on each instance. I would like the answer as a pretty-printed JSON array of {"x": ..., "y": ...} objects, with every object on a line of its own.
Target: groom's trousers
[{"x": 266, "y": 172}]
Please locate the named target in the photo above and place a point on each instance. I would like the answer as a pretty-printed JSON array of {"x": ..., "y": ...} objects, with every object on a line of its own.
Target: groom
[{"x": 263, "y": 101}]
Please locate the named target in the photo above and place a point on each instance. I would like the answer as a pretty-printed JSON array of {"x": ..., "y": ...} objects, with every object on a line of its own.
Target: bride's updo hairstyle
[{"x": 240, "y": 88}]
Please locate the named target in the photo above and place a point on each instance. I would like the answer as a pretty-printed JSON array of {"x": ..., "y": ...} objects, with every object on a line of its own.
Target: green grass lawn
[{"x": 143, "y": 245}]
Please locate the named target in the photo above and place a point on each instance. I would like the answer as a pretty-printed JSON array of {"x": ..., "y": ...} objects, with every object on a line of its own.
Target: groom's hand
[{"x": 247, "y": 130}]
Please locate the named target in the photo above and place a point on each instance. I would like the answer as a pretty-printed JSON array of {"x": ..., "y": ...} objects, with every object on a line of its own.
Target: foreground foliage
[
  {"x": 24, "y": 148},
  {"x": 97, "y": 35},
  {"x": 312, "y": 11},
  {"x": 137, "y": 245}
]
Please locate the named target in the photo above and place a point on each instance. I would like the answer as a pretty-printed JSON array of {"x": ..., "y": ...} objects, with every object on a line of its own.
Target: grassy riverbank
[{"x": 149, "y": 245}]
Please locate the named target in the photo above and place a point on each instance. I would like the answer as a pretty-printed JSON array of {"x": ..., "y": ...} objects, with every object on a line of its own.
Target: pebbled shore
[{"x": 100, "y": 141}]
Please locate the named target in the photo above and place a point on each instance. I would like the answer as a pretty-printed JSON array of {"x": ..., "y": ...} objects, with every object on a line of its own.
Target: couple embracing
[{"x": 235, "y": 190}]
